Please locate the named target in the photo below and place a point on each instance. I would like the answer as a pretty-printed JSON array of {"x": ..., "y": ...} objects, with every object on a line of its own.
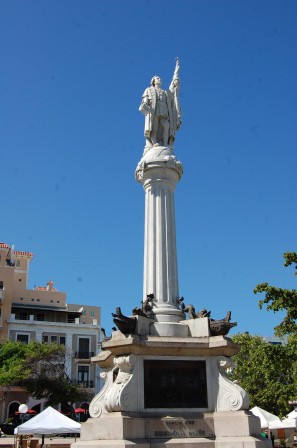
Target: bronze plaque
[{"x": 175, "y": 384}]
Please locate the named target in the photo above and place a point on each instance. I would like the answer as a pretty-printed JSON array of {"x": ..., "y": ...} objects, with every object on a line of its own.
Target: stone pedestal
[{"x": 169, "y": 391}]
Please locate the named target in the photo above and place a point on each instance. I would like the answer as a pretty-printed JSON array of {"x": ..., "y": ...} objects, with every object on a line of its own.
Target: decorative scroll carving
[
  {"x": 231, "y": 397},
  {"x": 114, "y": 396},
  {"x": 96, "y": 407},
  {"x": 117, "y": 398}
]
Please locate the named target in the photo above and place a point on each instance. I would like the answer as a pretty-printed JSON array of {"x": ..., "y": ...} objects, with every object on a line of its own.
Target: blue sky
[{"x": 72, "y": 75}]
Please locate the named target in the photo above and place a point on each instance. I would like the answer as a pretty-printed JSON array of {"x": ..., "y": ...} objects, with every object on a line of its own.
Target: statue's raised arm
[
  {"x": 162, "y": 111},
  {"x": 175, "y": 83},
  {"x": 176, "y": 108}
]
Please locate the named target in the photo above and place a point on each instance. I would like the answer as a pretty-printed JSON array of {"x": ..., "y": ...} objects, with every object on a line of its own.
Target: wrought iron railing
[
  {"x": 83, "y": 355},
  {"x": 86, "y": 384}
]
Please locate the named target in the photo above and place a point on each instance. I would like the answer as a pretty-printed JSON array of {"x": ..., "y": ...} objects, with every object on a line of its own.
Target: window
[
  {"x": 18, "y": 263},
  {"x": 54, "y": 339},
  {"x": 40, "y": 316},
  {"x": 83, "y": 374},
  {"x": 1, "y": 285},
  {"x": 83, "y": 349},
  {"x": 24, "y": 338},
  {"x": 83, "y": 344},
  {"x": 92, "y": 313},
  {"x": 83, "y": 312}
]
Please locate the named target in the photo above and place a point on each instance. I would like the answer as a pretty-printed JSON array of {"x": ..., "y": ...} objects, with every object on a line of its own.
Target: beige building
[{"x": 43, "y": 314}]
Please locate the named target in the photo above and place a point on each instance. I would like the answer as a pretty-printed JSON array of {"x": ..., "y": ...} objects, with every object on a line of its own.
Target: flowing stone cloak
[{"x": 148, "y": 108}]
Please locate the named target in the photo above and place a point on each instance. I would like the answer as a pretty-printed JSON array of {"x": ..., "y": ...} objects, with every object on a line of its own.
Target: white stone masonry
[{"x": 158, "y": 172}]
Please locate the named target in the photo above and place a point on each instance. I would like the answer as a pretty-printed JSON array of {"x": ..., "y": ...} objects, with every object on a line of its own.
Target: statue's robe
[{"x": 148, "y": 108}]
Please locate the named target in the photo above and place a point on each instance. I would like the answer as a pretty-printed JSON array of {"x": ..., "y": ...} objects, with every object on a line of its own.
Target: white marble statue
[{"x": 162, "y": 111}]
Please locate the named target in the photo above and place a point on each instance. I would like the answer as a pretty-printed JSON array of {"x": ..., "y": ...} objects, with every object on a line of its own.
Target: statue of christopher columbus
[{"x": 162, "y": 111}]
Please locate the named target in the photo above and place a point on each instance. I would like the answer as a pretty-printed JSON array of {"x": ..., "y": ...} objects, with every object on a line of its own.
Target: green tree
[
  {"x": 266, "y": 371},
  {"x": 40, "y": 369},
  {"x": 278, "y": 299}
]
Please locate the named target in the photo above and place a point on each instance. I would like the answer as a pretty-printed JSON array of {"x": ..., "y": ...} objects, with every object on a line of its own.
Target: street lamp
[{"x": 23, "y": 408}]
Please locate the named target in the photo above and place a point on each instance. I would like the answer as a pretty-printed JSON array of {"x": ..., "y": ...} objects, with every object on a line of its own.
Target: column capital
[{"x": 159, "y": 163}]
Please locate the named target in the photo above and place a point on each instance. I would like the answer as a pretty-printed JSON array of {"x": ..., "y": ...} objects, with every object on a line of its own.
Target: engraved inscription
[{"x": 167, "y": 428}]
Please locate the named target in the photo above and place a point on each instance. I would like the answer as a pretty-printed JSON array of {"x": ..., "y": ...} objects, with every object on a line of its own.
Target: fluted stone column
[{"x": 158, "y": 172}]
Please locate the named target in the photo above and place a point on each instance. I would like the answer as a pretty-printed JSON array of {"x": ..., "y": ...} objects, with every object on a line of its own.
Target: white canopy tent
[
  {"x": 265, "y": 417},
  {"x": 293, "y": 415},
  {"x": 289, "y": 422},
  {"x": 49, "y": 421}
]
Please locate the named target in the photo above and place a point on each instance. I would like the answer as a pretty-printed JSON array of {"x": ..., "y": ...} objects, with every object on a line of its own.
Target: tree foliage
[
  {"x": 267, "y": 372},
  {"x": 40, "y": 369},
  {"x": 278, "y": 299}
]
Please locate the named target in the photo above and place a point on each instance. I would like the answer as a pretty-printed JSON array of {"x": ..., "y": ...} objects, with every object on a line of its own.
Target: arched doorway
[{"x": 12, "y": 408}]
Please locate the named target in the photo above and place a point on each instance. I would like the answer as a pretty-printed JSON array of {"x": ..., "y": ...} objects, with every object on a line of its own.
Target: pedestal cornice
[{"x": 165, "y": 346}]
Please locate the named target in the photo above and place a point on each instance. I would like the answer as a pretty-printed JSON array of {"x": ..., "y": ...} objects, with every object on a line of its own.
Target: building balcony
[
  {"x": 54, "y": 319},
  {"x": 83, "y": 355},
  {"x": 49, "y": 319},
  {"x": 86, "y": 384}
]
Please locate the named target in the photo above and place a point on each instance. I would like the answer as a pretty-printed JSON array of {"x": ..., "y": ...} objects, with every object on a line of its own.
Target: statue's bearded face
[{"x": 156, "y": 80}]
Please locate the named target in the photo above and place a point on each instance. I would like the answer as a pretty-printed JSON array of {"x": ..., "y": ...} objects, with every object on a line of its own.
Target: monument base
[
  {"x": 204, "y": 430},
  {"x": 169, "y": 391}
]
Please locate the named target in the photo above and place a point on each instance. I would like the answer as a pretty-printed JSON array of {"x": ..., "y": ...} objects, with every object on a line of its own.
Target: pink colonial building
[{"x": 42, "y": 314}]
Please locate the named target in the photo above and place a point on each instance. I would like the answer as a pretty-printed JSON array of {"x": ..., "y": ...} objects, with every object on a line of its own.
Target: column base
[
  {"x": 169, "y": 329},
  {"x": 210, "y": 430}
]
